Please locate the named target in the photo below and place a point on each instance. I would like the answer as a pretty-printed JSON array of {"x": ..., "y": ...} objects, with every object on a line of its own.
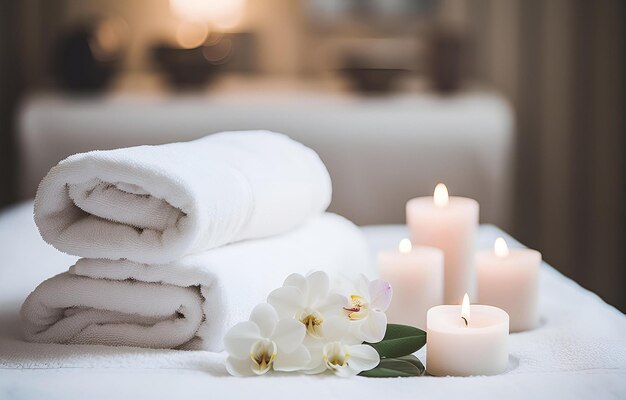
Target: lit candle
[
  {"x": 467, "y": 340},
  {"x": 448, "y": 223},
  {"x": 416, "y": 276},
  {"x": 509, "y": 279}
]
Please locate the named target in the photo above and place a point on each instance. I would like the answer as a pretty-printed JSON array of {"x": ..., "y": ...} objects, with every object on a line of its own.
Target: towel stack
[{"x": 180, "y": 241}]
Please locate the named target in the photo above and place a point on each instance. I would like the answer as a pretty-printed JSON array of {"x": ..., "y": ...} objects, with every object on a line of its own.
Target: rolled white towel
[
  {"x": 189, "y": 303},
  {"x": 155, "y": 204}
]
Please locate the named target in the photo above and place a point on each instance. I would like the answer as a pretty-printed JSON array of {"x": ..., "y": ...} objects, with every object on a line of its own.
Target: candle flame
[
  {"x": 441, "y": 195},
  {"x": 500, "y": 247},
  {"x": 465, "y": 309},
  {"x": 405, "y": 246}
]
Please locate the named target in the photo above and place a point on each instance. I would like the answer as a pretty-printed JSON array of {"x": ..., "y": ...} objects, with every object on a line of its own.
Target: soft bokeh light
[
  {"x": 219, "y": 52},
  {"x": 221, "y": 14},
  {"x": 191, "y": 34},
  {"x": 109, "y": 37}
]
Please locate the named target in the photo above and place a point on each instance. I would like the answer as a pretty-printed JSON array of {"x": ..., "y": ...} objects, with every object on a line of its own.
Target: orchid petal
[
  {"x": 316, "y": 351},
  {"x": 292, "y": 361},
  {"x": 313, "y": 343},
  {"x": 372, "y": 329},
  {"x": 363, "y": 358},
  {"x": 318, "y": 286},
  {"x": 319, "y": 367},
  {"x": 265, "y": 317},
  {"x": 296, "y": 280},
  {"x": 239, "y": 339},
  {"x": 237, "y": 367},
  {"x": 380, "y": 293},
  {"x": 345, "y": 371},
  {"x": 362, "y": 286},
  {"x": 335, "y": 329},
  {"x": 333, "y": 305},
  {"x": 286, "y": 300},
  {"x": 288, "y": 335}
]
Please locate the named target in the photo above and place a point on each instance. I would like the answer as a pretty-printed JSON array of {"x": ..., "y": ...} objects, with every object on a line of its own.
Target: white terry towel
[
  {"x": 155, "y": 204},
  {"x": 189, "y": 303}
]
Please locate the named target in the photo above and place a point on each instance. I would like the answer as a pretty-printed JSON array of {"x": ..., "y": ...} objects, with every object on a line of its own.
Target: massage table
[{"x": 579, "y": 351}]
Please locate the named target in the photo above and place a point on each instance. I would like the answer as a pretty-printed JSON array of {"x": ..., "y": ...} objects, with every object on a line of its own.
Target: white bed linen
[{"x": 578, "y": 352}]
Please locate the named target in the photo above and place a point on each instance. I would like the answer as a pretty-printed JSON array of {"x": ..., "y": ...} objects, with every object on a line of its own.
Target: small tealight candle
[
  {"x": 509, "y": 279},
  {"x": 467, "y": 340},
  {"x": 416, "y": 276},
  {"x": 448, "y": 223}
]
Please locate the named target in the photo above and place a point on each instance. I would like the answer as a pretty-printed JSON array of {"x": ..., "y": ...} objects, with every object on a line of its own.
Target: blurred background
[{"x": 518, "y": 103}]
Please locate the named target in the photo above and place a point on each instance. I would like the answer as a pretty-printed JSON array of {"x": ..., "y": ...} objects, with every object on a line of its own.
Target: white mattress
[{"x": 578, "y": 352}]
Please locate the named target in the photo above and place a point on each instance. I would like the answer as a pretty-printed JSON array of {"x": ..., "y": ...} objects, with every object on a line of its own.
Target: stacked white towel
[
  {"x": 192, "y": 301},
  {"x": 155, "y": 223},
  {"x": 155, "y": 204}
]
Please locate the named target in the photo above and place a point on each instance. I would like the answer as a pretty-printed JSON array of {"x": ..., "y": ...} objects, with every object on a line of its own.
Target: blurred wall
[
  {"x": 9, "y": 93},
  {"x": 562, "y": 63}
]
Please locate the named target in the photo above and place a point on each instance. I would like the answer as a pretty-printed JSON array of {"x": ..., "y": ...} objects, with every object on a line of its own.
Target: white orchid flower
[
  {"x": 308, "y": 300},
  {"x": 369, "y": 301},
  {"x": 265, "y": 342},
  {"x": 340, "y": 351}
]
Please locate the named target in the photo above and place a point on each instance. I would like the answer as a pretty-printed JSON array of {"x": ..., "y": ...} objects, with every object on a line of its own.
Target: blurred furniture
[
  {"x": 87, "y": 56},
  {"x": 380, "y": 151}
]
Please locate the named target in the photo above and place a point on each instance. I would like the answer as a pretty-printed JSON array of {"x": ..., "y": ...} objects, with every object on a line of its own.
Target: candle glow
[
  {"x": 441, "y": 195},
  {"x": 465, "y": 309},
  {"x": 405, "y": 246},
  {"x": 500, "y": 247}
]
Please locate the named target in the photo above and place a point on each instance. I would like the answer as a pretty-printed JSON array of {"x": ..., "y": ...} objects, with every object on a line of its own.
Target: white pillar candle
[
  {"x": 457, "y": 348},
  {"x": 509, "y": 279},
  {"x": 416, "y": 276},
  {"x": 448, "y": 223}
]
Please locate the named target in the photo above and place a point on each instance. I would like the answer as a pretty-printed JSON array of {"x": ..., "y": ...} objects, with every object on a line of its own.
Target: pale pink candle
[
  {"x": 509, "y": 279},
  {"x": 450, "y": 224},
  {"x": 467, "y": 340},
  {"x": 416, "y": 276}
]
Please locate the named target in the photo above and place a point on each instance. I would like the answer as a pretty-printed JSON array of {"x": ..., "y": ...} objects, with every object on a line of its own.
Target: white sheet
[{"x": 578, "y": 352}]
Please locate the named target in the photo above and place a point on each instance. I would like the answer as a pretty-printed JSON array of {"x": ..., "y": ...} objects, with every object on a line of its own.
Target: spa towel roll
[
  {"x": 189, "y": 303},
  {"x": 155, "y": 204}
]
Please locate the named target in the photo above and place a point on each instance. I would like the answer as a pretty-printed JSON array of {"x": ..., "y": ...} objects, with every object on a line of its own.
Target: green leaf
[
  {"x": 396, "y": 367},
  {"x": 399, "y": 341}
]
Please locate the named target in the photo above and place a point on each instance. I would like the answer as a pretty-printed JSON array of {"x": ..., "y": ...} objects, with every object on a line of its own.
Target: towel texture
[
  {"x": 156, "y": 204},
  {"x": 189, "y": 303}
]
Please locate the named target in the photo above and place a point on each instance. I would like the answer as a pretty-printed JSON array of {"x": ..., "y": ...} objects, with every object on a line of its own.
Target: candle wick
[{"x": 464, "y": 320}]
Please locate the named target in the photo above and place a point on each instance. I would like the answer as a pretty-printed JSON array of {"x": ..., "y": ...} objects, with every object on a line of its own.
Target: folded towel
[
  {"x": 155, "y": 204},
  {"x": 189, "y": 303}
]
